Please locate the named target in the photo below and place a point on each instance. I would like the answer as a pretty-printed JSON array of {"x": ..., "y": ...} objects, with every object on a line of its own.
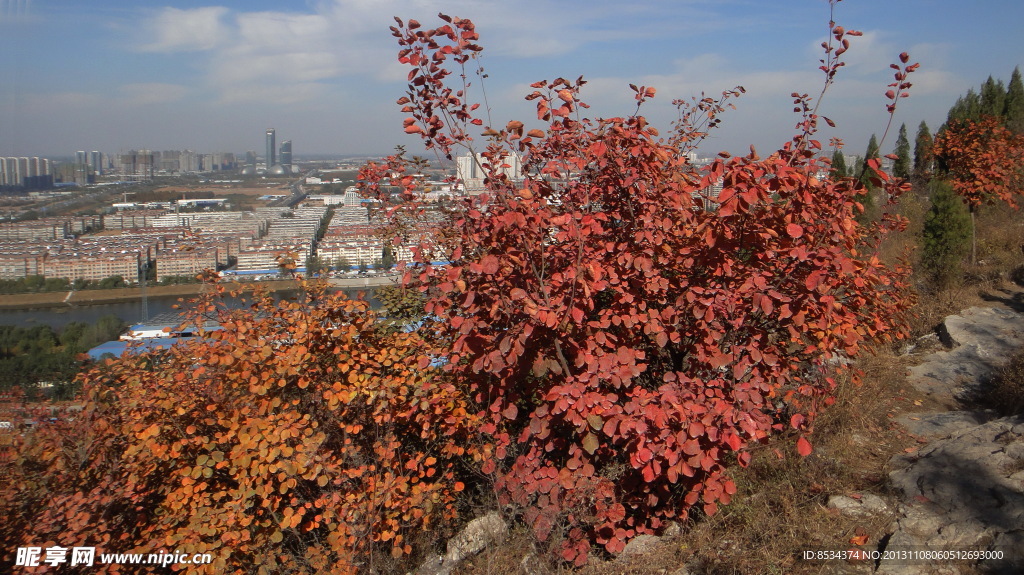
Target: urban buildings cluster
[
  {"x": 274, "y": 164},
  {"x": 31, "y": 173},
  {"x": 133, "y": 241}
]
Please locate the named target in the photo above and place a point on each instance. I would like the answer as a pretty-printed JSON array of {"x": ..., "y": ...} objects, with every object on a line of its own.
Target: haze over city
[{"x": 118, "y": 75}]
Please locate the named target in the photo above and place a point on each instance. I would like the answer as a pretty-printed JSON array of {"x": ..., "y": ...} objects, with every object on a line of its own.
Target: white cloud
[{"x": 175, "y": 30}]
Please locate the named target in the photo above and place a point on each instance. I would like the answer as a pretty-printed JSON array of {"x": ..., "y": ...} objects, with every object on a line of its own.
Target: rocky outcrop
[
  {"x": 980, "y": 340},
  {"x": 964, "y": 490},
  {"x": 474, "y": 538}
]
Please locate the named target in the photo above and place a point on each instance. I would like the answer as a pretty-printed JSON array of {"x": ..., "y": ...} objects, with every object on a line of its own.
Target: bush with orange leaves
[{"x": 298, "y": 438}]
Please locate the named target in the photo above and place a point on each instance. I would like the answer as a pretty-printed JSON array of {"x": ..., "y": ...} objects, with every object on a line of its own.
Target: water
[{"x": 130, "y": 312}]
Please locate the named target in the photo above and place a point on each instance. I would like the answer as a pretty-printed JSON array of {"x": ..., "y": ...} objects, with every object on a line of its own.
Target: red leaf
[
  {"x": 511, "y": 411},
  {"x": 794, "y": 230},
  {"x": 803, "y": 447}
]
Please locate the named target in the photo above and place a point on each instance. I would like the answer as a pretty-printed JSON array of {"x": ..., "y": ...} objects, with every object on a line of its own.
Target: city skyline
[{"x": 187, "y": 75}]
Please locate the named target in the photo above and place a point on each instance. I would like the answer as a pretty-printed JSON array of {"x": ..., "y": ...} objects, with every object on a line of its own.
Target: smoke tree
[
  {"x": 982, "y": 159},
  {"x": 297, "y": 438},
  {"x": 628, "y": 324}
]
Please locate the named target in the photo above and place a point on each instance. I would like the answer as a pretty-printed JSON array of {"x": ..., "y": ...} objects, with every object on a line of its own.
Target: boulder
[{"x": 965, "y": 492}]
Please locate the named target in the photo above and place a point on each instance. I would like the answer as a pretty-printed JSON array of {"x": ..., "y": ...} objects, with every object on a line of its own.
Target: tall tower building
[
  {"x": 271, "y": 148},
  {"x": 286, "y": 155}
]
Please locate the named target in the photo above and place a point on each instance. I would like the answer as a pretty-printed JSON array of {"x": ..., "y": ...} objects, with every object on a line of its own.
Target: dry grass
[{"x": 1004, "y": 391}]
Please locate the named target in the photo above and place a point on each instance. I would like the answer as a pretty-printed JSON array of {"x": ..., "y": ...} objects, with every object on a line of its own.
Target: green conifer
[
  {"x": 839, "y": 169},
  {"x": 1013, "y": 106},
  {"x": 946, "y": 235},
  {"x": 992, "y": 98},
  {"x": 924, "y": 156},
  {"x": 901, "y": 167},
  {"x": 967, "y": 107}
]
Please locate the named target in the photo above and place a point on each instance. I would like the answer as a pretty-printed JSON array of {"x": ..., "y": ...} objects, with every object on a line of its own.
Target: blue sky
[{"x": 112, "y": 75}]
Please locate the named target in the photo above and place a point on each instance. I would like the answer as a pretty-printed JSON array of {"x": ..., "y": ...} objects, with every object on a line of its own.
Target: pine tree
[
  {"x": 967, "y": 107},
  {"x": 1013, "y": 106},
  {"x": 864, "y": 176},
  {"x": 924, "y": 156},
  {"x": 947, "y": 235},
  {"x": 993, "y": 98},
  {"x": 901, "y": 167},
  {"x": 839, "y": 169}
]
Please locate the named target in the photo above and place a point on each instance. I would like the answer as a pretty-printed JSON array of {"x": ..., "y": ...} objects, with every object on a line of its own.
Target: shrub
[
  {"x": 625, "y": 332},
  {"x": 298, "y": 438}
]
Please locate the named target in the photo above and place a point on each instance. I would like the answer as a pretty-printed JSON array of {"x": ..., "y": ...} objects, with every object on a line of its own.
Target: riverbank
[{"x": 63, "y": 299}]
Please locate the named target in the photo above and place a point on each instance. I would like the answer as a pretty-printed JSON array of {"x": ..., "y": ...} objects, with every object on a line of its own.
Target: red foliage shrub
[
  {"x": 626, "y": 330},
  {"x": 983, "y": 160}
]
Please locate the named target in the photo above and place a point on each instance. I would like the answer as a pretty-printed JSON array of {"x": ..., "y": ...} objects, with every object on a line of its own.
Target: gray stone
[
  {"x": 942, "y": 424},
  {"x": 477, "y": 535},
  {"x": 961, "y": 493},
  {"x": 639, "y": 545},
  {"x": 474, "y": 538},
  {"x": 673, "y": 530},
  {"x": 868, "y": 505},
  {"x": 981, "y": 339},
  {"x": 532, "y": 564},
  {"x": 434, "y": 565}
]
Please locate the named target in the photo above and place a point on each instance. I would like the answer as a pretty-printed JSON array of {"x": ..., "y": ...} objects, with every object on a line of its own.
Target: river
[{"x": 129, "y": 312}]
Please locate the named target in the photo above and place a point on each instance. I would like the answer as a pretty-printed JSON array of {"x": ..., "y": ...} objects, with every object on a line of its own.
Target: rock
[
  {"x": 963, "y": 492},
  {"x": 434, "y": 565},
  {"x": 673, "y": 530},
  {"x": 477, "y": 535},
  {"x": 532, "y": 564},
  {"x": 474, "y": 538},
  {"x": 866, "y": 506},
  {"x": 943, "y": 424},
  {"x": 982, "y": 339},
  {"x": 639, "y": 545}
]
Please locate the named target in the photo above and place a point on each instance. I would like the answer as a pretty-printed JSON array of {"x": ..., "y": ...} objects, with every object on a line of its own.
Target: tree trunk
[{"x": 974, "y": 240}]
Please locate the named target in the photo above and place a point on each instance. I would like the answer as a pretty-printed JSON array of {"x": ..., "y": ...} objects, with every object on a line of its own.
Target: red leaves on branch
[
  {"x": 624, "y": 328},
  {"x": 982, "y": 159}
]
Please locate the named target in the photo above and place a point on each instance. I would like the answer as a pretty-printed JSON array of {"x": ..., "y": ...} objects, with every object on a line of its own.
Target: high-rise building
[
  {"x": 250, "y": 164},
  {"x": 271, "y": 148},
  {"x": 9, "y": 172},
  {"x": 96, "y": 161},
  {"x": 286, "y": 155},
  {"x": 471, "y": 171},
  {"x": 137, "y": 165}
]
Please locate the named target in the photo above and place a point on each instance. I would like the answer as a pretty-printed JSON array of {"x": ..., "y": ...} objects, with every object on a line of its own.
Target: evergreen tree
[
  {"x": 839, "y": 169},
  {"x": 967, "y": 107},
  {"x": 864, "y": 175},
  {"x": 1013, "y": 106},
  {"x": 924, "y": 156},
  {"x": 901, "y": 167},
  {"x": 992, "y": 98},
  {"x": 947, "y": 235}
]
